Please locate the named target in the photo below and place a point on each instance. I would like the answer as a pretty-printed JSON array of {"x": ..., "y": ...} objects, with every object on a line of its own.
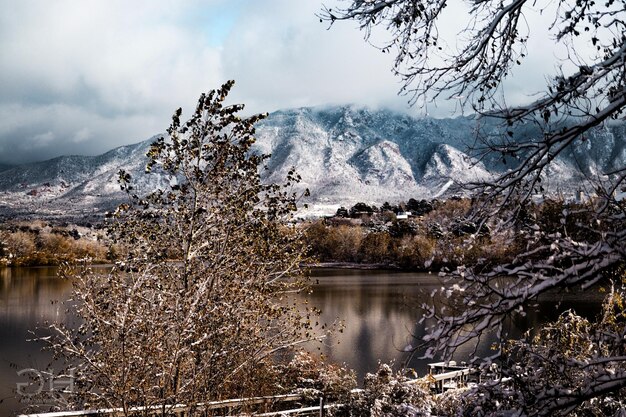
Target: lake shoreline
[
  {"x": 354, "y": 265},
  {"x": 320, "y": 265}
]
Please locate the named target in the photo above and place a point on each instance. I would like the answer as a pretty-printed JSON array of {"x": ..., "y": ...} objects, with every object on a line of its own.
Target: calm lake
[{"x": 376, "y": 307}]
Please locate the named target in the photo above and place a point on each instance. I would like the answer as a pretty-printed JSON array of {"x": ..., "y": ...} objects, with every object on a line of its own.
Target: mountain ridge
[{"x": 344, "y": 154}]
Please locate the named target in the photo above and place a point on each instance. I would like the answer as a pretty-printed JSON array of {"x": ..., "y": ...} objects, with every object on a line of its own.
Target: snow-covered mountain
[
  {"x": 344, "y": 154},
  {"x": 71, "y": 185},
  {"x": 347, "y": 154}
]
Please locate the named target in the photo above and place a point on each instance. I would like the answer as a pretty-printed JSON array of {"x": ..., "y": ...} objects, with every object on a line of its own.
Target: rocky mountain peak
[{"x": 344, "y": 154}]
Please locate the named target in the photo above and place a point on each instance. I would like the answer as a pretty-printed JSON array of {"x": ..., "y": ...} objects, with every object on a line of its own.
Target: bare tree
[
  {"x": 588, "y": 91},
  {"x": 202, "y": 305},
  {"x": 571, "y": 365},
  {"x": 495, "y": 37}
]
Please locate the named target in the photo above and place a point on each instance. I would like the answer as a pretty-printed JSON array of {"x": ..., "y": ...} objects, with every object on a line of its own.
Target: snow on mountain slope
[
  {"x": 70, "y": 184},
  {"x": 383, "y": 164},
  {"x": 347, "y": 154},
  {"x": 344, "y": 154},
  {"x": 448, "y": 166},
  {"x": 72, "y": 170}
]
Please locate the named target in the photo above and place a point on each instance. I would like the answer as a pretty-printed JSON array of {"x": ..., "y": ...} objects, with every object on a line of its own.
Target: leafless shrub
[{"x": 201, "y": 306}]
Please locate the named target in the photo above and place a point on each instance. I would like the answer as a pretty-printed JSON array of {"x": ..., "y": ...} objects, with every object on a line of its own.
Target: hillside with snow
[{"x": 344, "y": 154}]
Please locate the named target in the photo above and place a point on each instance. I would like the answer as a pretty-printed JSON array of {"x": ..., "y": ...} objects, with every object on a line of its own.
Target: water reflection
[
  {"x": 28, "y": 296},
  {"x": 377, "y": 307},
  {"x": 380, "y": 316},
  {"x": 380, "y": 313}
]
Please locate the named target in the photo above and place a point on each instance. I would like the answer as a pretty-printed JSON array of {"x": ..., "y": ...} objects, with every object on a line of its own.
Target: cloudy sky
[{"x": 81, "y": 77}]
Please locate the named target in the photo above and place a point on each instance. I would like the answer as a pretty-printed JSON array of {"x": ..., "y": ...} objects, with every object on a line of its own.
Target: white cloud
[
  {"x": 105, "y": 53},
  {"x": 43, "y": 139},
  {"x": 39, "y": 132},
  {"x": 98, "y": 65},
  {"x": 86, "y": 71},
  {"x": 82, "y": 135},
  {"x": 293, "y": 60},
  {"x": 104, "y": 73}
]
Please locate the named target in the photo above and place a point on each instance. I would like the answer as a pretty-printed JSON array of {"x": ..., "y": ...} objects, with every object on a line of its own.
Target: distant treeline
[
  {"x": 41, "y": 243},
  {"x": 431, "y": 235},
  {"x": 416, "y": 235}
]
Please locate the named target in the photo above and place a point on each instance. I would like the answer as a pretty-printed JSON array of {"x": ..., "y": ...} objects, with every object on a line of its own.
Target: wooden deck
[{"x": 449, "y": 375}]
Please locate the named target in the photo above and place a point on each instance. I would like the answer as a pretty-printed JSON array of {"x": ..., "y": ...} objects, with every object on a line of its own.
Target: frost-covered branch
[{"x": 193, "y": 313}]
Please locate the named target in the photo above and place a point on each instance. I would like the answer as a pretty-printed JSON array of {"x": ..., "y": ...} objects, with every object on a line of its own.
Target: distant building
[{"x": 403, "y": 215}]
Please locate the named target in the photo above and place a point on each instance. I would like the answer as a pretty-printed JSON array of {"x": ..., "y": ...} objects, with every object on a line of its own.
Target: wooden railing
[
  {"x": 442, "y": 376},
  {"x": 179, "y": 409},
  {"x": 449, "y": 375}
]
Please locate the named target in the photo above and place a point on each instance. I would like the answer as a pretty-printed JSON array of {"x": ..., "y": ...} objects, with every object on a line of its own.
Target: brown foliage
[
  {"x": 377, "y": 247},
  {"x": 38, "y": 244},
  {"x": 210, "y": 326},
  {"x": 338, "y": 244}
]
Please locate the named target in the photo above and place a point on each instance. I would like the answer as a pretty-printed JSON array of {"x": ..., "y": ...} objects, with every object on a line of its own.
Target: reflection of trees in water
[
  {"x": 372, "y": 330},
  {"x": 381, "y": 314},
  {"x": 379, "y": 311},
  {"x": 31, "y": 294},
  {"x": 476, "y": 348},
  {"x": 28, "y": 297}
]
